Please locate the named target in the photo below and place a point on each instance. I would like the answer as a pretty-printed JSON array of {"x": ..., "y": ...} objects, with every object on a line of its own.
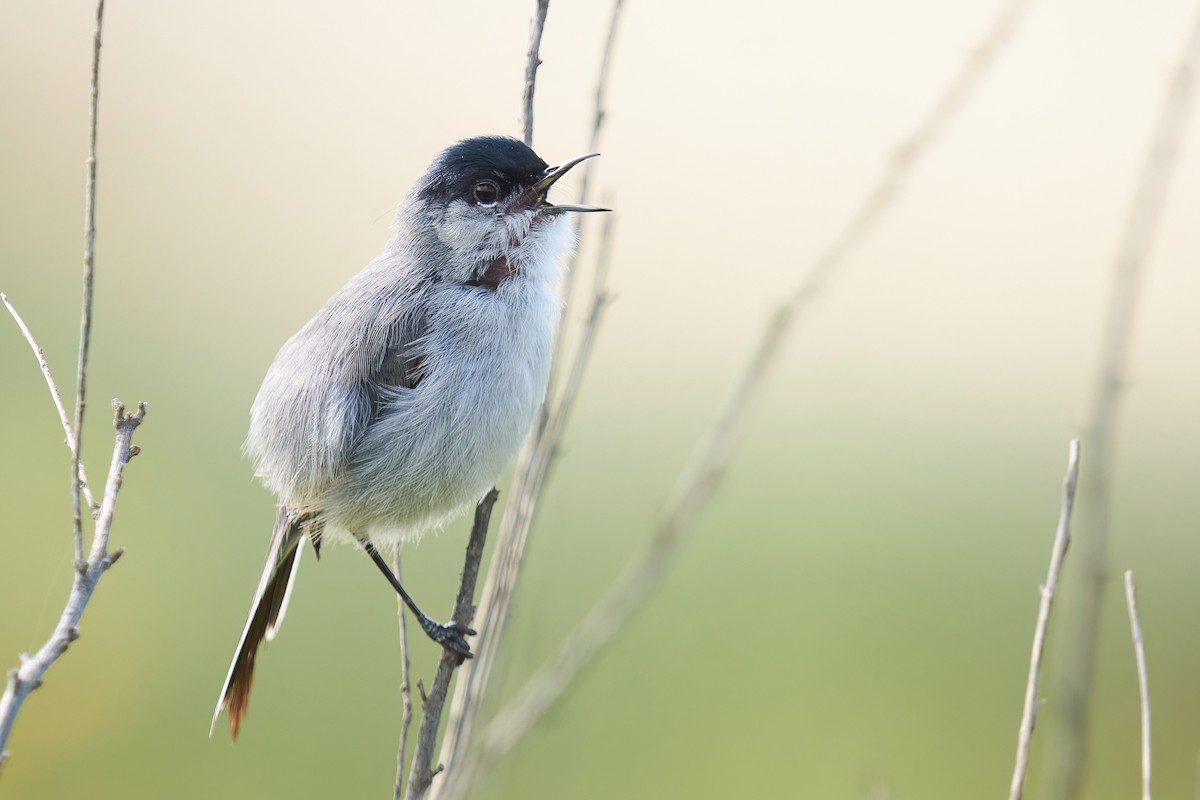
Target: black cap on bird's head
[{"x": 496, "y": 172}]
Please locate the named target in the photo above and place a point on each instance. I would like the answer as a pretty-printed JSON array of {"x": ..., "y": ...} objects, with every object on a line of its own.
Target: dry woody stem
[
  {"x": 422, "y": 772},
  {"x": 55, "y": 396},
  {"x": 1075, "y": 678},
  {"x": 532, "y": 62},
  {"x": 1139, "y": 652},
  {"x": 89, "y": 260},
  {"x": 599, "y": 113},
  {"x": 1062, "y": 539},
  {"x": 29, "y": 675}
]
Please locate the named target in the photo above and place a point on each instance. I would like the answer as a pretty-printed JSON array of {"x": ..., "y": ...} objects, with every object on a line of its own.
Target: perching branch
[
  {"x": 1076, "y": 674},
  {"x": 422, "y": 771},
  {"x": 1139, "y": 652},
  {"x": 1062, "y": 539},
  {"x": 699, "y": 480}
]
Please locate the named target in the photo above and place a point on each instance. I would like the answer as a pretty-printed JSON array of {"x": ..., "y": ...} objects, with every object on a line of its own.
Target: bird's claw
[{"x": 451, "y": 636}]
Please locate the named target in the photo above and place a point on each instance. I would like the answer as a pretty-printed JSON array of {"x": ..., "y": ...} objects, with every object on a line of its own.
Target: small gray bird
[{"x": 398, "y": 405}]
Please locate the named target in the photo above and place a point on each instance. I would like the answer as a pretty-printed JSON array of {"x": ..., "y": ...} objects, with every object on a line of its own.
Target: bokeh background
[{"x": 854, "y": 611}]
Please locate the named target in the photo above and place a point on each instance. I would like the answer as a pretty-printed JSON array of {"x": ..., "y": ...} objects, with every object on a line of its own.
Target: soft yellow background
[{"x": 855, "y": 609}]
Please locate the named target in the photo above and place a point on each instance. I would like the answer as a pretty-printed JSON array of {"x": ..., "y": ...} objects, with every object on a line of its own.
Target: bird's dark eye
[{"x": 487, "y": 192}]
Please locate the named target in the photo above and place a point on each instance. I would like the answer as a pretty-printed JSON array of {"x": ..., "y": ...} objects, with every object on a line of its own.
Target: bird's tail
[{"x": 266, "y": 615}]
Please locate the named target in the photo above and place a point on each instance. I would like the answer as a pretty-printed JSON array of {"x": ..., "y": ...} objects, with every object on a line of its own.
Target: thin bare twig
[
  {"x": 699, "y": 480},
  {"x": 55, "y": 395},
  {"x": 718, "y": 445},
  {"x": 532, "y": 62},
  {"x": 577, "y": 367},
  {"x": 422, "y": 772},
  {"x": 1139, "y": 651},
  {"x": 406, "y": 707},
  {"x": 28, "y": 676},
  {"x": 89, "y": 258},
  {"x": 598, "y": 116},
  {"x": 1062, "y": 539},
  {"x": 1076, "y": 673}
]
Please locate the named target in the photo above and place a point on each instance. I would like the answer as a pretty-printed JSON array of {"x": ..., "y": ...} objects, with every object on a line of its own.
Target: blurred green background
[{"x": 856, "y": 607}]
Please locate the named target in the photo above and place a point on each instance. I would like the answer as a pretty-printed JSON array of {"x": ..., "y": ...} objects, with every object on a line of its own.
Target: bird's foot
[{"x": 451, "y": 636}]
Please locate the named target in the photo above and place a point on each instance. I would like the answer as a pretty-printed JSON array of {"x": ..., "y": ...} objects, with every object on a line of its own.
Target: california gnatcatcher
[{"x": 399, "y": 404}]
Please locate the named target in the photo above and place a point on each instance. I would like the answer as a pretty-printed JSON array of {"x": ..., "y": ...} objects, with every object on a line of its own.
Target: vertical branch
[
  {"x": 406, "y": 709},
  {"x": 532, "y": 62},
  {"x": 1062, "y": 539},
  {"x": 89, "y": 258},
  {"x": 1077, "y": 673},
  {"x": 598, "y": 115},
  {"x": 421, "y": 774},
  {"x": 1139, "y": 652},
  {"x": 577, "y": 366}
]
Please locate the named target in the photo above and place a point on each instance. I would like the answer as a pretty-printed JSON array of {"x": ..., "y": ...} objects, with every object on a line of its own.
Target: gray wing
[
  {"x": 329, "y": 382},
  {"x": 402, "y": 363}
]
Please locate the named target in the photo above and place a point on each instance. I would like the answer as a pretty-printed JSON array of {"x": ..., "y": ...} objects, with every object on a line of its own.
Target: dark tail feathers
[{"x": 266, "y": 615}]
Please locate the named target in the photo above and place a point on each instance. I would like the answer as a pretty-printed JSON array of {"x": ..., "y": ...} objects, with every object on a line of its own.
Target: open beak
[{"x": 534, "y": 196}]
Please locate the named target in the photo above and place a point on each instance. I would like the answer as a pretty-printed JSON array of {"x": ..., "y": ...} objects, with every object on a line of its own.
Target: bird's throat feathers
[{"x": 494, "y": 273}]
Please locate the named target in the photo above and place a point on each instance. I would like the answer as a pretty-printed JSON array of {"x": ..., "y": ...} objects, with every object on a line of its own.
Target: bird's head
[{"x": 485, "y": 202}]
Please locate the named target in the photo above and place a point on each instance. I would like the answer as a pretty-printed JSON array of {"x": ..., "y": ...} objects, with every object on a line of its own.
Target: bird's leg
[{"x": 451, "y": 635}]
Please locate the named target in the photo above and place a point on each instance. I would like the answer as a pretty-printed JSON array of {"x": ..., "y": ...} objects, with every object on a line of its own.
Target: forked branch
[{"x": 28, "y": 676}]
